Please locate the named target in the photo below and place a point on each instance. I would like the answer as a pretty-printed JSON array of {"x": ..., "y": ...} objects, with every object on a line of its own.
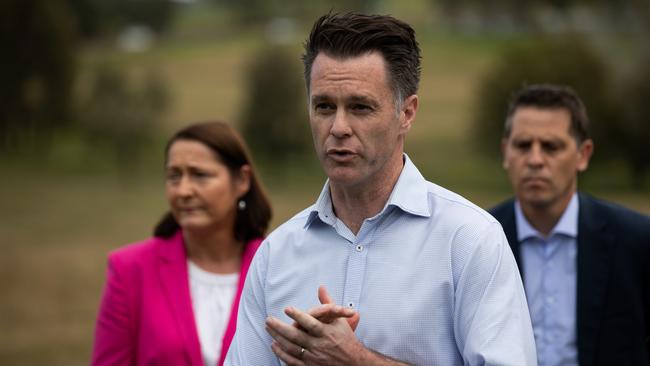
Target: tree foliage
[
  {"x": 274, "y": 119},
  {"x": 633, "y": 133},
  {"x": 38, "y": 68},
  {"x": 120, "y": 116},
  {"x": 98, "y": 17},
  {"x": 618, "y": 112},
  {"x": 559, "y": 60}
]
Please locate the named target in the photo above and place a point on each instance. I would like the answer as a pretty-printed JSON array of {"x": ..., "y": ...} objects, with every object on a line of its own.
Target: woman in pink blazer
[{"x": 172, "y": 299}]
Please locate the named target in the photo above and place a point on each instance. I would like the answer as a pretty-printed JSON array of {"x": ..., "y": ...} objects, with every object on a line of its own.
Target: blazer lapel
[
  {"x": 510, "y": 229},
  {"x": 595, "y": 245},
  {"x": 174, "y": 278},
  {"x": 247, "y": 257}
]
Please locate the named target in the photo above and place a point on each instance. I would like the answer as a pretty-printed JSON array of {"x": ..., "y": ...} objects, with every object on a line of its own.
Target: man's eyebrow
[
  {"x": 355, "y": 99},
  {"x": 319, "y": 98},
  {"x": 362, "y": 100}
]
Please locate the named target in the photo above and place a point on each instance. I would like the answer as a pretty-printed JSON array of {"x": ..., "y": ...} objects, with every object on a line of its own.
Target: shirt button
[
  {"x": 359, "y": 248},
  {"x": 550, "y": 300},
  {"x": 351, "y": 304}
]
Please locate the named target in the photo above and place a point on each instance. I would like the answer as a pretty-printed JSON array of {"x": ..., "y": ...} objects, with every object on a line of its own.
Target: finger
[
  {"x": 307, "y": 322},
  {"x": 277, "y": 328},
  {"x": 286, "y": 357},
  {"x": 354, "y": 321},
  {"x": 323, "y": 296},
  {"x": 327, "y": 313},
  {"x": 286, "y": 345}
]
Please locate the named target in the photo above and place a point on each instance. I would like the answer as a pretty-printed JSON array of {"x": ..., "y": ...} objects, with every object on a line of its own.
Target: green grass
[{"x": 63, "y": 212}]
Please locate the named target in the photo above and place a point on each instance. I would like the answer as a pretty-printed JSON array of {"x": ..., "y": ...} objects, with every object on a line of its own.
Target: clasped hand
[{"x": 324, "y": 335}]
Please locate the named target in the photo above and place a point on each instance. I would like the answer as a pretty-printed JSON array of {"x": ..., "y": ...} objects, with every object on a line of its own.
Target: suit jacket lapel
[
  {"x": 510, "y": 229},
  {"x": 174, "y": 278},
  {"x": 595, "y": 245}
]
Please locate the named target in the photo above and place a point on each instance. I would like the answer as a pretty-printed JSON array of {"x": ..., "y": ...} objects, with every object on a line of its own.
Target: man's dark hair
[
  {"x": 228, "y": 148},
  {"x": 549, "y": 96},
  {"x": 354, "y": 34}
]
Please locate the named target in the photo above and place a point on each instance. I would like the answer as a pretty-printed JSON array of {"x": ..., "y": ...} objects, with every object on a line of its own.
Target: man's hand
[
  {"x": 329, "y": 311},
  {"x": 313, "y": 342},
  {"x": 322, "y": 336}
]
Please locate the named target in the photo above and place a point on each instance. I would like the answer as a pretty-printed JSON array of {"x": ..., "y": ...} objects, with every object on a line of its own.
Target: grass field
[{"x": 61, "y": 214}]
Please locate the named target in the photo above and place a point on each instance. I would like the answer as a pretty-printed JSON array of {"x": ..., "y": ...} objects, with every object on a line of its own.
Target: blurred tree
[
  {"x": 261, "y": 11},
  {"x": 564, "y": 60},
  {"x": 37, "y": 73},
  {"x": 121, "y": 117},
  {"x": 98, "y": 17},
  {"x": 274, "y": 121},
  {"x": 633, "y": 134}
]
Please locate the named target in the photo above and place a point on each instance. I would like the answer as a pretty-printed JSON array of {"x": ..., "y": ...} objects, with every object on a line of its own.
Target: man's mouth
[{"x": 340, "y": 155}]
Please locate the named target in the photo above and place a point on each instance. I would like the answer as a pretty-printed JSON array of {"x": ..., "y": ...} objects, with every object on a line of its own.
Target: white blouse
[{"x": 212, "y": 297}]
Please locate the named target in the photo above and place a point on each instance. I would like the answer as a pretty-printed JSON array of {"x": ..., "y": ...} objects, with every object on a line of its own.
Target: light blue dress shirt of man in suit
[{"x": 549, "y": 273}]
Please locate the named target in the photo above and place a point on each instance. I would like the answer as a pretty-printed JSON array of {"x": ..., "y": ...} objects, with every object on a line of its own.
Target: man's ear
[
  {"x": 585, "y": 150},
  {"x": 504, "y": 146},
  {"x": 408, "y": 112}
]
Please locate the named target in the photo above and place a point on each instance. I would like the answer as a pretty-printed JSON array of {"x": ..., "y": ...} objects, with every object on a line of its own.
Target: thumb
[{"x": 323, "y": 296}]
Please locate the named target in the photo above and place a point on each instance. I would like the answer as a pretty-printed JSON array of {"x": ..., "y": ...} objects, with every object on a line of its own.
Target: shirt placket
[{"x": 357, "y": 261}]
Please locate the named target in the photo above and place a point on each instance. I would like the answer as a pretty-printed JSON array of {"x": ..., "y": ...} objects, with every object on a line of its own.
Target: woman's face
[{"x": 201, "y": 191}]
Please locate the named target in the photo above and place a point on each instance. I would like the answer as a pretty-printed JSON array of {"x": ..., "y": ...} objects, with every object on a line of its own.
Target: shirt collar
[
  {"x": 410, "y": 194},
  {"x": 567, "y": 225}
]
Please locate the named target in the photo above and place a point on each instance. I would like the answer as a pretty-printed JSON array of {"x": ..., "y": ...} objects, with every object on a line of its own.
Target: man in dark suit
[{"x": 585, "y": 263}]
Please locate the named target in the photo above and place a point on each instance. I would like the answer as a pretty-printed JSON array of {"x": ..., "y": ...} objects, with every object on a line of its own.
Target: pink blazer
[{"x": 146, "y": 315}]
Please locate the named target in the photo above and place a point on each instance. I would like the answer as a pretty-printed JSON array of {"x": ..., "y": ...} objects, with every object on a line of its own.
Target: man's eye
[
  {"x": 550, "y": 147},
  {"x": 361, "y": 108},
  {"x": 324, "y": 107},
  {"x": 522, "y": 145}
]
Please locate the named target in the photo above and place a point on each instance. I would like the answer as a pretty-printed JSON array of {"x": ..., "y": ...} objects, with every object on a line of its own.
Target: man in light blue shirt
[{"x": 421, "y": 275}]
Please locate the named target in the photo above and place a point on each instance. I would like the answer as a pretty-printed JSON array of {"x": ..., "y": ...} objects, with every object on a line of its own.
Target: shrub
[
  {"x": 564, "y": 60},
  {"x": 274, "y": 119}
]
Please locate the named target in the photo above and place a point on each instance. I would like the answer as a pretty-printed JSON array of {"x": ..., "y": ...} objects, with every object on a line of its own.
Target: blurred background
[{"x": 91, "y": 89}]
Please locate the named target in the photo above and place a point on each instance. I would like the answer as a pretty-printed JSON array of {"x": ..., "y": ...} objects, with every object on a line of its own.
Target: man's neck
[
  {"x": 544, "y": 218},
  {"x": 353, "y": 204}
]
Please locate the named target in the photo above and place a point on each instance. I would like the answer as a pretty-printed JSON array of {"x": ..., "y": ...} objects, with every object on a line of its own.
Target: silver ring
[{"x": 302, "y": 352}]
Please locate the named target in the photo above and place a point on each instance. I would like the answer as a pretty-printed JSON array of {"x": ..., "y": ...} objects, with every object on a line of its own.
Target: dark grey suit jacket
[{"x": 613, "y": 284}]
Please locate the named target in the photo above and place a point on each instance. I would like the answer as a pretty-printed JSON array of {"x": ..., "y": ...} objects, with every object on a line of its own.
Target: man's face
[
  {"x": 542, "y": 158},
  {"x": 356, "y": 129}
]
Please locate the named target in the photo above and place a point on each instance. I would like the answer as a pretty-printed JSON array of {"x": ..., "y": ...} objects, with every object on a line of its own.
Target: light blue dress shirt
[
  {"x": 549, "y": 268},
  {"x": 432, "y": 276}
]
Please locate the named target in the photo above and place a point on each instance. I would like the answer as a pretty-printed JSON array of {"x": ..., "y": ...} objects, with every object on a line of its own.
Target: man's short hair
[
  {"x": 549, "y": 96},
  {"x": 354, "y": 34}
]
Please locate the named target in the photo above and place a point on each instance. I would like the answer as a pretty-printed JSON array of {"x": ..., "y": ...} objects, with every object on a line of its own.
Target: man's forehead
[
  {"x": 368, "y": 65},
  {"x": 541, "y": 120}
]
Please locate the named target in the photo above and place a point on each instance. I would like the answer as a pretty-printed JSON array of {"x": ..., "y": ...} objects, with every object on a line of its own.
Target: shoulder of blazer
[
  {"x": 503, "y": 209},
  {"x": 624, "y": 222},
  {"x": 505, "y": 214},
  {"x": 142, "y": 252}
]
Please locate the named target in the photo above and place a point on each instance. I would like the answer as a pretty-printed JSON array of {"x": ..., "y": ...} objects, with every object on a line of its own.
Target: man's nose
[
  {"x": 535, "y": 156},
  {"x": 340, "y": 126}
]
